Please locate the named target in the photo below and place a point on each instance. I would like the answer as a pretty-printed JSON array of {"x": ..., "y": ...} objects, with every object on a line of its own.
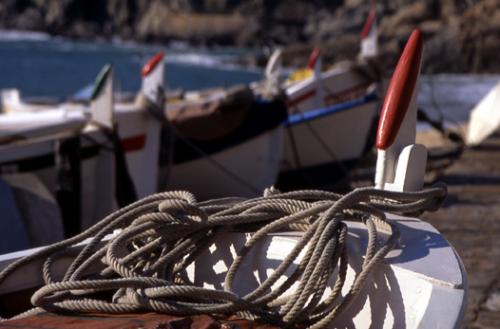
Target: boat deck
[{"x": 470, "y": 221}]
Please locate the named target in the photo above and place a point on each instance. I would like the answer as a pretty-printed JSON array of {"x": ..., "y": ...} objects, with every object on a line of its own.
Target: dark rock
[
  {"x": 461, "y": 36},
  {"x": 443, "y": 52},
  {"x": 30, "y": 19}
]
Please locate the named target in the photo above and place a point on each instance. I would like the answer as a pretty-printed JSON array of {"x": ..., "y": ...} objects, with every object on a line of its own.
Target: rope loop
[{"x": 147, "y": 266}]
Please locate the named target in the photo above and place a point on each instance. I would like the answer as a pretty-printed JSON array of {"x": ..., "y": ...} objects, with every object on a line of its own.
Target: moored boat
[
  {"x": 332, "y": 113},
  {"x": 239, "y": 160},
  {"x": 309, "y": 258},
  {"x": 231, "y": 137},
  {"x": 235, "y": 125},
  {"x": 484, "y": 118},
  {"x": 75, "y": 153}
]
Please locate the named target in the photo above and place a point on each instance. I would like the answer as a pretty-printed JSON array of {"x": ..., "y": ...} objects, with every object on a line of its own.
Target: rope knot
[{"x": 183, "y": 209}]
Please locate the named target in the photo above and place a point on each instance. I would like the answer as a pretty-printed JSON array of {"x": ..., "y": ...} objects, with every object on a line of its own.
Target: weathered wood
[{"x": 130, "y": 321}]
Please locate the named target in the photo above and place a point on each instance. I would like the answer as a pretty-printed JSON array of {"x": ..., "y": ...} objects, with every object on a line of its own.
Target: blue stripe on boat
[{"x": 319, "y": 113}]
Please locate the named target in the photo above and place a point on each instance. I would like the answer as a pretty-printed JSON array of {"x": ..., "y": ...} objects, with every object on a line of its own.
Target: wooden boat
[
  {"x": 25, "y": 126},
  {"x": 332, "y": 113},
  {"x": 420, "y": 284},
  {"x": 231, "y": 137},
  {"x": 227, "y": 138},
  {"x": 73, "y": 151},
  {"x": 222, "y": 137}
]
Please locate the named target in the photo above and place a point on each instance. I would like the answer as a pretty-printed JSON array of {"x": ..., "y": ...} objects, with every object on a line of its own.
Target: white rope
[{"x": 144, "y": 267}]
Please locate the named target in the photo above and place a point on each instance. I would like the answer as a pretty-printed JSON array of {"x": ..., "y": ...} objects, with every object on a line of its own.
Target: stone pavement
[{"x": 470, "y": 220}]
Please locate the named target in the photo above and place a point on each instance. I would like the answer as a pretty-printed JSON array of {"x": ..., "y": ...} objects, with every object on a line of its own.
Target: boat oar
[
  {"x": 314, "y": 61},
  {"x": 369, "y": 35},
  {"x": 102, "y": 112},
  {"x": 152, "y": 95},
  {"x": 101, "y": 100},
  {"x": 153, "y": 77},
  {"x": 273, "y": 72},
  {"x": 314, "y": 64},
  {"x": 401, "y": 162},
  {"x": 274, "y": 65}
]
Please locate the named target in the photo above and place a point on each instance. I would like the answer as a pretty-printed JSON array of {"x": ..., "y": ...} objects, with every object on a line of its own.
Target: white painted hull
[
  {"x": 21, "y": 126},
  {"x": 255, "y": 163},
  {"x": 484, "y": 118},
  {"x": 421, "y": 283},
  {"x": 97, "y": 172},
  {"x": 344, "y": 133},
  {"x": 337, "y": 85},
  {"x": 336, "y": 137}
]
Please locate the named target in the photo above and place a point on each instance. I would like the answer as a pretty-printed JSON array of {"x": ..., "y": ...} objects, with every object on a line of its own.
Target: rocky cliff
[{"x": 461, "y": 35}]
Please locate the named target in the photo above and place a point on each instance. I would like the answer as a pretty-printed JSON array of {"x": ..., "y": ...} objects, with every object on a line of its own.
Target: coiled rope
[{"x": 143, "y": 268}]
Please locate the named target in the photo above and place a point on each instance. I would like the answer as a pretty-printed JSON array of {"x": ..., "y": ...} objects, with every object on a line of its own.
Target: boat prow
[
  {"x": 484, "y": 118},
  {"x": 25, "y": 126},
  {"x": 420, "y": 285}
]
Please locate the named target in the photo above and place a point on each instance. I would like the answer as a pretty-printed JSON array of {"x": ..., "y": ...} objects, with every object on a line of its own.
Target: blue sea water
[{"x": 39, "y": 65}]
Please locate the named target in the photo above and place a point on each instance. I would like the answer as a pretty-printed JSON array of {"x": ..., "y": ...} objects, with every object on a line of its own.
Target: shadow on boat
[
  {"x": 381, "y": 294},
  {"x": 414, "y": 244}
]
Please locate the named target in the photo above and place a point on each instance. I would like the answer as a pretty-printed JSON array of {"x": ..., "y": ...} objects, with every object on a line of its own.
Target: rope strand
[{"x": 144, "y": 266}]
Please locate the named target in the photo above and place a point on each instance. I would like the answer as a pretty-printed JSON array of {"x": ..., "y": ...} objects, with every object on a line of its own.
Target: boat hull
[
  {"x": 420, "y": 284},
  {"x": 333, "y": 136},
  {"x": 39, "y": 156},
  {"x": 484, "y": 118},
  {"x": 338, "y": 136},
  {"x": 243, "y": 170}
]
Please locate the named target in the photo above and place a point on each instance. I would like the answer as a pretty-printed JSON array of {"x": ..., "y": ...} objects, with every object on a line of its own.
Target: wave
[
  {"x": 195, "y": 59},
  {"x": 176, "y": 53},
  {"x": 17, "y": 35},
  {"x": 223, "y": 62}
]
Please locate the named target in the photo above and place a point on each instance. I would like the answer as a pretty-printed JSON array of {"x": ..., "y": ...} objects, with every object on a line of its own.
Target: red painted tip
[
  {"x": 398, "y": 96},
  {"x": 151, "y": 64},
  {"x": 372, "y": 16},
  {"x": 313, "y": 58}
]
